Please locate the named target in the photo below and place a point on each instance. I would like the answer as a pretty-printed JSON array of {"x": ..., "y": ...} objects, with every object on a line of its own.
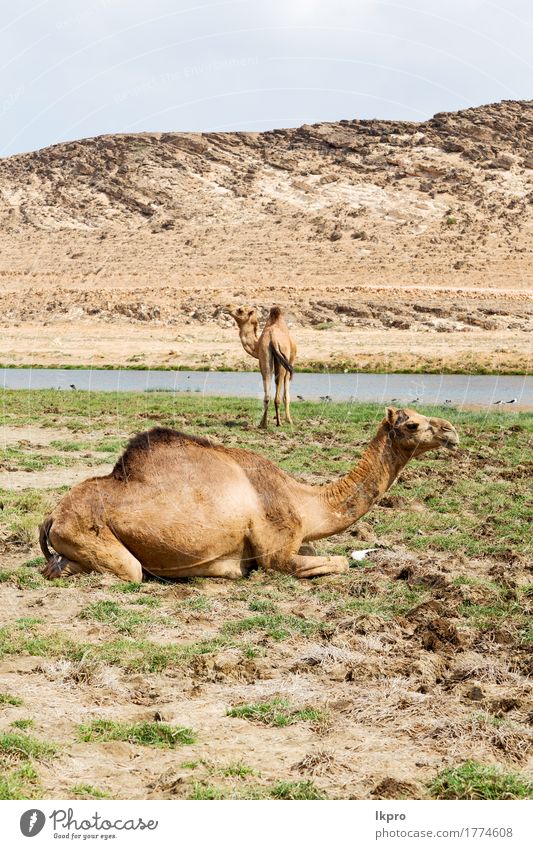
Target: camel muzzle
[{"x": 450, "y": 440}]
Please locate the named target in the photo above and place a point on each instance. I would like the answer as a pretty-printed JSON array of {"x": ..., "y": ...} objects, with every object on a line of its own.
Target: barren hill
[{"x": 326, "y": 219}]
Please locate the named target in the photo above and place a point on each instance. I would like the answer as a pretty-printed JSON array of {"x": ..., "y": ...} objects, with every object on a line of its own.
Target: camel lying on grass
[
  {"x": 274, "y": 349},
  {"x": 177, "y": 505}
]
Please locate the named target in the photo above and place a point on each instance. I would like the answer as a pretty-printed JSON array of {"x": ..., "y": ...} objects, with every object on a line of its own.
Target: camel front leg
[
  {"x": 266, "y": 399},
  {"x": 307, "y": 566}
]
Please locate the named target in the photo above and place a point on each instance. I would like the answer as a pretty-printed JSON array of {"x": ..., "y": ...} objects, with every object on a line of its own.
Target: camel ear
[{"x": 391, "y": 414}]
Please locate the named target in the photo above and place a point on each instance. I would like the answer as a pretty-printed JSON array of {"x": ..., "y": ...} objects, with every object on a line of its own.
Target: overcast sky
[{"x": 77, "y": 68}]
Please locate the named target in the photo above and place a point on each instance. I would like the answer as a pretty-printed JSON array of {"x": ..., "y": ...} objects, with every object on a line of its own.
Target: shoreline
[{"x": 480, "y": 372}]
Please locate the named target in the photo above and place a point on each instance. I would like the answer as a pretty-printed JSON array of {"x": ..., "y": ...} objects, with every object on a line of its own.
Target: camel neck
[
  {"x": 352, "y": 495},
  {"x": 249, "y": 341}
]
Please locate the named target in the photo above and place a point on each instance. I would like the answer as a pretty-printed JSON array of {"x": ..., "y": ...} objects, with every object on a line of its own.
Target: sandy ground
[{"x": 431, "y": 337}]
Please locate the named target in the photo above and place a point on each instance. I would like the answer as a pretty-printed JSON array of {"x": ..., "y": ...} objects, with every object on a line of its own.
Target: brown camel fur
[
  {"x": 177, "y": 505},
  {"x": 274, "y": 349}
]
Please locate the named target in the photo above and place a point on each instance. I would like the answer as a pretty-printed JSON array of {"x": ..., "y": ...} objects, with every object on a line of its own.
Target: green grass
[
  {"x": 277, "y": 712},
  {"x": 147, "y": 601},
  {"x": 234, "y": 770},
  {"x": 20, "y": 783},
  {"x": 23, "y": 724},
  {"x": 87, "y": 791},
  {"x": 473, "y": 780},
  {"x": 24, "y": 579},
  {"x": 277, "y": 626},
  {"x": 24, "y": 747},
  {"x": 288, "y": 790},
  {"x": 33, "y": 563},
  {"x": 115, "y": 614},
  {"x": 386, "y": 599},
  {"x": 199, "y": 602},
  {"x": 126, "y": 653},
  {"x": 262, "y": 606},
  {"x": 7, "y": 699},
  {"x": 296, "y": 790},
  {"x": 128, "y": 587},
  {"x": 156, "y": 734},
  {"x": 201, "y": 792}
]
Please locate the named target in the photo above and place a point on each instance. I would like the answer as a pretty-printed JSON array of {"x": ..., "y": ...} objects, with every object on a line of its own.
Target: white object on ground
[{"x": 360, "y": 555}]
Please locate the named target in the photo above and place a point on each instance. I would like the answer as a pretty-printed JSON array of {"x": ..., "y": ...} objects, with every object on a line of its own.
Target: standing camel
[
  {"x": 274, "y": 349},
  {"x": 177, "y": 506}
]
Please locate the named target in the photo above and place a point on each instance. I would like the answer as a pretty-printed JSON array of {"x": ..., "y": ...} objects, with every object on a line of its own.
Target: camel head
[
  {"x": 243, "y": 315},
  {"x": 415, "y": 434}
]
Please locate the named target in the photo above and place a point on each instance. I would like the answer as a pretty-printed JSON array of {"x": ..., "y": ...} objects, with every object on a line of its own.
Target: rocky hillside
[
  {"x": 389, "y": 244},
  {"x": 447, "y": 200}
]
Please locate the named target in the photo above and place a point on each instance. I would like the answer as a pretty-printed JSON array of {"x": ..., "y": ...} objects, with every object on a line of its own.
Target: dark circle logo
[{"x": 32, "y": 822}]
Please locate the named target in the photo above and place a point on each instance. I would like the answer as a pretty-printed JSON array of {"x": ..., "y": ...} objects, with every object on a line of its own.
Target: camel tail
[
  {"x": 44, "y": 530},
  {"x": 281, "y": 359}
]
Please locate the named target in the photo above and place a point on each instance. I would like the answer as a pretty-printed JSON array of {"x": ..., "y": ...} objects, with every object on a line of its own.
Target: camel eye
[{"x": 412, "y": 426}]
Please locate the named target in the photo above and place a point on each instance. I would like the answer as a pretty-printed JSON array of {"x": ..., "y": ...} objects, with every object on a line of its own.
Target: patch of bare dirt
[{"x": 401, "y": 695}]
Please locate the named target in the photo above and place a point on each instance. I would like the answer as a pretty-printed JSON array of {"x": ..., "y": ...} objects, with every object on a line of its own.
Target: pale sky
[{"x": 78, "y": 68}]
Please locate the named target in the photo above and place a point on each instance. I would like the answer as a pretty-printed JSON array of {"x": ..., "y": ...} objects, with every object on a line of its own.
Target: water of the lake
[{"x": 456, "y": 389}]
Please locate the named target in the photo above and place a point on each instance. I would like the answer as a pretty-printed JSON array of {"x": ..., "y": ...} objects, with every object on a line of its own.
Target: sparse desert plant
[
  {"x": 7, "y": 699},
  {"x": 22, "y": 724}
]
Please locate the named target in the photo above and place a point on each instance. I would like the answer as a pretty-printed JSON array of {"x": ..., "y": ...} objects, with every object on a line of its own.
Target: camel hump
[
  {"x": 275, "y": 313},
  {"x": 138, "y": 449}
]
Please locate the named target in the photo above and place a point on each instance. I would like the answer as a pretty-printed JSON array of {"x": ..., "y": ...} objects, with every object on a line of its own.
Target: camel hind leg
[
  {"x": 280, "y": 376},
  {"x": 60, "y": 567},
  {"x": 287, "y": 396},
  {"x": 88, "y": 551}
]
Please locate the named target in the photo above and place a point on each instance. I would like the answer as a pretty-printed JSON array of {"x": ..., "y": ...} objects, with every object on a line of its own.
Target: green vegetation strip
[
  {"x": 287, "y": 790},
  {"x": 143, "y": 733},
  {"x": 472, "y": 780},
  {"x": 277, "y": 712}
]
